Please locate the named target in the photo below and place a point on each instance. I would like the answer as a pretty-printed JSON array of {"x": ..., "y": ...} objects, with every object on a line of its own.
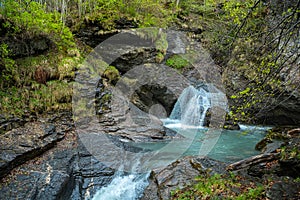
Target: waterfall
[
  {"x": 129, "y": 187},
  {"x": 190, "y": 110},
  {"x": 191, "y": 106},
  {"x": 125, "y": 185}
]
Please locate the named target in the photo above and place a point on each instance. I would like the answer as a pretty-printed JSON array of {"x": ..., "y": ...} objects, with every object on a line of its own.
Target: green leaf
[{"x": 244, "y": 91}]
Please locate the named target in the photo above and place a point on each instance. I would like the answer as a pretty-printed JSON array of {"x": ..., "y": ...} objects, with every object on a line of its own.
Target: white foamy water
[
  {"x": 123, "y": 187},
  {"x": 253, "y": 127}
]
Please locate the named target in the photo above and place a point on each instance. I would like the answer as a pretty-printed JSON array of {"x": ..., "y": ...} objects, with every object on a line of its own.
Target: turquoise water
[{"x": 225, "y": 145}]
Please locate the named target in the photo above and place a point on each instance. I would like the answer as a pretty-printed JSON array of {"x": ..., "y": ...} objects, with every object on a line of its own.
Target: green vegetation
[
  {"x": 8, "y": 65},
  {"x": 30, "y": 17},
  {"x": 219, "y": 187},
  {"x": 112, "y": 74},
  {"x": 177, "y": 62},
  {"x": 36, "y": 83},
  {"x": 141, "y": 13},
  {"x": 290, "y": 153},
  {"x": 253, "y": 38},
  {"x": 36, "y": 99}
]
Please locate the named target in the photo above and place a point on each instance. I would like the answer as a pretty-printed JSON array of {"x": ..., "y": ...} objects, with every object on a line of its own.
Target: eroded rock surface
[
  {"x": 178, "y": 175},
  {"x": 49, "y": 162},
  {"x": 21, "y": 144}
]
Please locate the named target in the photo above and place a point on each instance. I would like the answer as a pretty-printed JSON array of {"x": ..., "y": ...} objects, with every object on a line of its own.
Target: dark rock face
[
  {"x": 179, "y": 174},
  {"x": 286, "y": 110},
  {"x": 284, "y": 188},
  {"x": 92, "y": 34},
  {"x": 65, "y": 170},
  {"x": 25, "y": 143},
  {"x": 283, "y": 108},
  {"x": 10, "y": 122},
  {"x": 36, "y": 185},
  {"x": 149, "y": 84}
]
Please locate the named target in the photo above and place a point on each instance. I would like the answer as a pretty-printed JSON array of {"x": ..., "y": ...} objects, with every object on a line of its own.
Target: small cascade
[
  {"x": 125, "y": 185},
  {"x": 191, "y": 106}
]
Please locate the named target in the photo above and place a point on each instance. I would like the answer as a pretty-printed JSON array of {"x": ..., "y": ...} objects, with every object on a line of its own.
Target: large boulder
[
  {"x": 286, "y": 110},
  {"x": 179, "y": 174}
]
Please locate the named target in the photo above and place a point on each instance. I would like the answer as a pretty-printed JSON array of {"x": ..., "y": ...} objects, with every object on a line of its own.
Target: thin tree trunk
[{"x": 252, "y": 160}]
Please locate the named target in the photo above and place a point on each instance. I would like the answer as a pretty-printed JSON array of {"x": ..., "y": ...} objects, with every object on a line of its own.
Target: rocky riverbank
[
  {"x": 44, "y": 159},
  {"x": 274, "y": 174}
]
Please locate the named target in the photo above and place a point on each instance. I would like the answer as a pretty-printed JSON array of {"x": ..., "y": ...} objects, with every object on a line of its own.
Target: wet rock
[
  {"x": 285, "y": 188},
  {"x": 67, "y": 170},
  {"x": 179, "y": 174},
  {"x": 22, "y": 144},
  {"x": 37, "y": 185},
  {"x": 10, "y": 122}
]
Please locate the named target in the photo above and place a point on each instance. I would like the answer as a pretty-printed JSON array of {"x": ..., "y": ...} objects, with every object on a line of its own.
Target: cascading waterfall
[
  {"x": 191, "y": 107},
  {"x": 129, "y": 187},
  {"x": 125, "y": 185},
  {"x": 190, "y": 110}
]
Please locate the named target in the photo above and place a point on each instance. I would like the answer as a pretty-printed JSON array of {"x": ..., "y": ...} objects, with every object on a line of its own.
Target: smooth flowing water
[
  {"x": 191, "y": 106},
  {"x": 123, "y": 186},
  {"x": 231, "y": 145}
]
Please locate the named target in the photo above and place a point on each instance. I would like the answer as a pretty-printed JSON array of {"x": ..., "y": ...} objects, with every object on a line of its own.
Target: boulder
[{"x": 179, "y": 174}]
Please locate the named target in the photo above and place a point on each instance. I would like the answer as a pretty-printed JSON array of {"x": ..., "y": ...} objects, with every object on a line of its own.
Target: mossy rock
[
  {"x": 279, "y": 133},
  {"x": 177, "y": 62},
  {"x": 112, "y": 74},
  {"x": 261, "y": 145}
]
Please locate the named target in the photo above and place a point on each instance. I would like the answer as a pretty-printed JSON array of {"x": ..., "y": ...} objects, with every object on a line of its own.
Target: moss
[
  {"x": 38, "y": 98},
  {"x": 159, "y": 57},
  {"x": 112, "y": 74},
  {"x": 218, "y": 187},
  {"x": 177, "y": 62},
  {"x": 66, "y": 67}
]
